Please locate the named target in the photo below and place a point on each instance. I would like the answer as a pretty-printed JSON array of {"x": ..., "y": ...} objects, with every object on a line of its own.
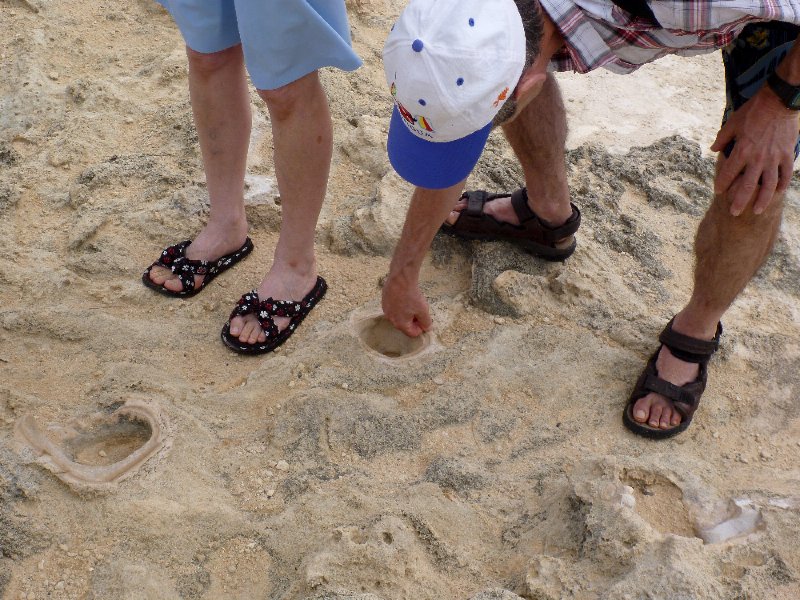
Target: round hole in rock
[
  {"x": 379, "y": 335},
  {"x": 108, "y": 442}
]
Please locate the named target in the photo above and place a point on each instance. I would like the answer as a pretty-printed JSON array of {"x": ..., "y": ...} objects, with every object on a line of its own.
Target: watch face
[{"x": 795, "y": 101}]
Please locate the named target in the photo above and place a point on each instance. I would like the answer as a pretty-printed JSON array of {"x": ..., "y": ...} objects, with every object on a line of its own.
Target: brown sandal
[
  {"x": 685, "y": 398},
  {"x": 532, "y": 234}
]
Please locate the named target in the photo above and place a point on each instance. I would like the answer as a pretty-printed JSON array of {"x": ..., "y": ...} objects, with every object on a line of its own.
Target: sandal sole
[
  {"x": 540, "y": 250},
  {"x": 650, "y": 432}
]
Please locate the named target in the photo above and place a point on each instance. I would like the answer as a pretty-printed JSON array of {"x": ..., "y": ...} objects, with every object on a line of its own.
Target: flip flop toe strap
[
  {"x": 172, "y": 253},
  {"x": 174, "y": 259},
  {"x": 266, "y": 310},
  {"x": 186, "y": 270}
]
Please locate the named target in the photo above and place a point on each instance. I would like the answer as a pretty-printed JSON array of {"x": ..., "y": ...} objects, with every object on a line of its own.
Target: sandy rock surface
[{"x": 486, "y": 462}]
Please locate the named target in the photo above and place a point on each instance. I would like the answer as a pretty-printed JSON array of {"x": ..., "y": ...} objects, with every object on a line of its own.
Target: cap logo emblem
[
  {"x": 501, "y": 98},
  {"x": 418, "y": 122}
]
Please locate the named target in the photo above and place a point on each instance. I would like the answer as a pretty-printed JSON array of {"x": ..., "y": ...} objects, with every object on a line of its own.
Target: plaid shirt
[{"x": 600, "y": 34}]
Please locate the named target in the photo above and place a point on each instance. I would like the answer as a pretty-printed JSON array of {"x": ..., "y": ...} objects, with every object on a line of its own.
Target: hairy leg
[
  {"x": 221, "y": 107},
  {"x": 537, "y": 136},
  {"x": 302, "y": 132},
  {"x": 729, "y": 251}
]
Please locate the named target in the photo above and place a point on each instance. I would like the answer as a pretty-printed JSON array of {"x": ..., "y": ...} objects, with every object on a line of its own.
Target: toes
[
  {"x": 641, "y": 410},
  {"x": 254, "y": 333},
  {"x": 666, "y": 417},
  {"x": 236, "y": 326},
  {"x": 173, "y": 284},
  {"x": 656, "y": 411},
  {"x": 655, "y": 415},
  {"x": 247, "y": 327},
  {"x": 250, "y": 331},
  {"x": 162, "y": 276},
  {"x": 454, "y": 214},
  {"x": 159, "y": 275}
]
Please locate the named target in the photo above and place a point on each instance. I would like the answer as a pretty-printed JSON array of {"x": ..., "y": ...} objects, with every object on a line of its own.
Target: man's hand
[
  {"x": 403, "y": 303},
  {"x": 405, "y": 306},
  {"x": 765, "y": 132}
]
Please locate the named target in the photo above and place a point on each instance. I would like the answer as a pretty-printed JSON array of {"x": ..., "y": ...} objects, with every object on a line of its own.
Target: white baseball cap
[{"x": 450, "y": 65}]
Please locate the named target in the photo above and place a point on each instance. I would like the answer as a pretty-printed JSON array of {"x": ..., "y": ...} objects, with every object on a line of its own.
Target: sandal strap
[
  {"x": 475, "y": 202},
  {"x": 174, "y": 258},
  {"x": 265, "y": 310},
  {"x": 170, "y": 254},
  {"x": 250, "y": 303},
  {"x": 676, "y": 393},
  {"x": 687, "y": 348},
  {"x": 186, "y": 270},
  {"x": 190, "y": 267},
  {"x": 281, "y": 308},
  {"x": 519, "y": 202},
  {"x": 246, "y": 305}
]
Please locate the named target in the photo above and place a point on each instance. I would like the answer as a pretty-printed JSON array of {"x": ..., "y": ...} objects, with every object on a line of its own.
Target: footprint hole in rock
[
  {"x": 387, "y": 537},
  {"x": 109, "y": 442},
  {"x": 660, "y": 502},
  {"x": 380, "y": 336}
]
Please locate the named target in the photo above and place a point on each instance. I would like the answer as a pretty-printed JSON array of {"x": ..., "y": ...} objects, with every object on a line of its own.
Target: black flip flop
[
  {"x": 174, "y": 259},
  {"x": 265, "y": 310}
]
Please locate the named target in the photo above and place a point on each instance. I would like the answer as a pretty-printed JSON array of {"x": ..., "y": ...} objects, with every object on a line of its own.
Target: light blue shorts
[{"x": 283, "y": 40}]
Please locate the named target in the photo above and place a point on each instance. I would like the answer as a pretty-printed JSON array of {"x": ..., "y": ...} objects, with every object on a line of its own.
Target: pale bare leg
[
  {"x": 537, "y": 136},
  {"x": 303, "y": 136},
  {"x": 729, "y": 251},
  {"x": 221, "y": 107}
]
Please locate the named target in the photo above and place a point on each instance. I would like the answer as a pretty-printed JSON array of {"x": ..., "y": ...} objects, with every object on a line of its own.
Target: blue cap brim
[{"x": 433, "y": 165}]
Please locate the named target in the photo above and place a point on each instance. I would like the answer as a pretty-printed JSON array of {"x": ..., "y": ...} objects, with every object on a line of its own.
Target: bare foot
[
  {"x": 210, "y": 244},
  {"x": 656, "y": 410},
  {"x": 280, "y": 284}
]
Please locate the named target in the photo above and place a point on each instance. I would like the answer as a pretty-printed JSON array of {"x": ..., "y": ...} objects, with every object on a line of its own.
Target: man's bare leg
[
  {"x": 538, "y": 137},
  {"x": 729, "y": 250},
  {"x": 303, "y": 137},
  {"x": 221, "y": 107}
]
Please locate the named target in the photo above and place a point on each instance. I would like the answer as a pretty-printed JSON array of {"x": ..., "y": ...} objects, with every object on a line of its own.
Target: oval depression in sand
[
  {"x": 102, "y": 449},
  {"x": 379, "y": 337}
]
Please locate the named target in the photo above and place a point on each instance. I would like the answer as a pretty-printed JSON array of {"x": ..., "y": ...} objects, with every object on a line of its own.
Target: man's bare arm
[
  {"x": 765, "y": 132},
  {"x": 403, "y": 303}
]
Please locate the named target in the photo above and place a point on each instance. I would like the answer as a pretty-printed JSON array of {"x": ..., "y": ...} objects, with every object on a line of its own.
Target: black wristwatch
[{"x": 788, "y": 93}]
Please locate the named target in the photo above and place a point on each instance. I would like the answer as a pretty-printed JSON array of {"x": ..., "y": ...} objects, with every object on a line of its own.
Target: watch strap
[{"x": 788, "y": 93}]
